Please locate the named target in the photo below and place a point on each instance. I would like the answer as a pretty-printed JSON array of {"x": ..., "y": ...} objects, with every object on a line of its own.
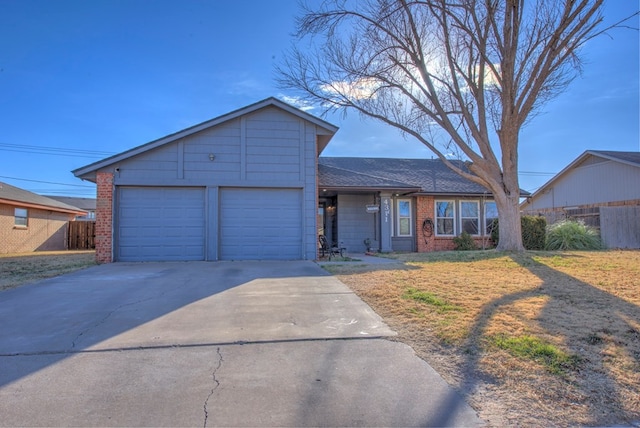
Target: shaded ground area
[
  {"x": 539, "y": 339},
  {"x": 25, "y": 268}
]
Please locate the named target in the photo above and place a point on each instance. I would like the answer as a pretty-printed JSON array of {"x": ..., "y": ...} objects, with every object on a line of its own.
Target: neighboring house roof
[
  {"x": 628, "y": 158},
  {"x": 325, "y": 131},
  {"x": 427, "y": 176},
  {"x": 85, "y": 204},
  {"x": 12, "y": 195}
]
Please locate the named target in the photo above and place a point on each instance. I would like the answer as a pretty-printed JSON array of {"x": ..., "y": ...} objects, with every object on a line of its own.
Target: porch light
[{"x": 211, "y": 156}]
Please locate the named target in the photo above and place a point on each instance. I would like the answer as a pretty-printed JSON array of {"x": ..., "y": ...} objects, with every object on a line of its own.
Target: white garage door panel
[
  {"x": 158, "y": 224},
  {"x": 260, "y": 224}
]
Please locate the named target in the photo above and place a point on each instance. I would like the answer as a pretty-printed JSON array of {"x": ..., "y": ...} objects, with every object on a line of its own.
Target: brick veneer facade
[
  {"x": 45, "y": 231},
  {"x": 425, "y": 209},
  {"x": 104, "y": 217}
]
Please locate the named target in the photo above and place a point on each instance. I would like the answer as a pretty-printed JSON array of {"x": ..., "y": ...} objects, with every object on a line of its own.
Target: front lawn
[
  {"x": 536, "y": 339},
  {"x": 20, "y": 269}
]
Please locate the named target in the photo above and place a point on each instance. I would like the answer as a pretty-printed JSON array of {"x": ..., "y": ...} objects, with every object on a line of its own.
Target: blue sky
[{"x": 83, "y": 79}]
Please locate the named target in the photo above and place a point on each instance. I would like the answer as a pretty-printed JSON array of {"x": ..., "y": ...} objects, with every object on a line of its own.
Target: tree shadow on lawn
[{"x": 597, "y": 327}]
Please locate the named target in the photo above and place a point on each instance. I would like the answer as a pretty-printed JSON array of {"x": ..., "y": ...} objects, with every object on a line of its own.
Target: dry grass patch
[
  {"x": 20, "y": 269},
  {"x": 540, "y": 338}
]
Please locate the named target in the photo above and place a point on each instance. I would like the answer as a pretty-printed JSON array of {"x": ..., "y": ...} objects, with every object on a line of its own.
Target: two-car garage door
[{"x": 163, "y": 224}]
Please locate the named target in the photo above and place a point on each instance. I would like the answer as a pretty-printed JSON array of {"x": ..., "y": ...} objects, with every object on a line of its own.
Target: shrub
[
  {"x": 533, "y": 232},
  {"x": 495, "y": 233},
  {"x": 572, "y": 235},
  {"x": 464, "y": 242}
]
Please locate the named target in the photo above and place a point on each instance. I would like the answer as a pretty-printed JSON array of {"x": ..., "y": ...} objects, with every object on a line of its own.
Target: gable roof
[
  {"x": 426, "y": 176},
  {"x": 12, "y": 195},
  {"x": 630, "y": 158},
  {"x": 326, "y": 131},
  {"x": 88, "y": 204},
  {"x": 627, "y": 158}
]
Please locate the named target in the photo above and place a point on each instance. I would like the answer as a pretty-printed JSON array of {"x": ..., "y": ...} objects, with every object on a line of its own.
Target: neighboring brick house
[
  {"x": 400, "y": 204},
  {"x": 85, "y": 204},
  {"x": 31, "y": 222}
]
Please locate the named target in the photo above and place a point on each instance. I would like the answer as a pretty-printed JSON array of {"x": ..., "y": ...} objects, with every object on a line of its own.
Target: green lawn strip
[
  {"x": 532, "y": 348},
  {"x": 429, "y": 299}
]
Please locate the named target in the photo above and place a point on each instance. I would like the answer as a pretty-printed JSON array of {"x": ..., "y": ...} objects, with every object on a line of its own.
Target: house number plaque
[{"x": 387, "y": 210}]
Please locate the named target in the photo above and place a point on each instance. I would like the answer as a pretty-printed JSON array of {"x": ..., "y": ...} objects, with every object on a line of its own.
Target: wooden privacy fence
[
  {"x": 620, "y": 226},
  {"x": 81, "y": 235}
]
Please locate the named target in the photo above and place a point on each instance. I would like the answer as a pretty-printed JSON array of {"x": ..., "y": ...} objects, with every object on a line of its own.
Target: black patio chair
[{"x": 329, "y": 250}]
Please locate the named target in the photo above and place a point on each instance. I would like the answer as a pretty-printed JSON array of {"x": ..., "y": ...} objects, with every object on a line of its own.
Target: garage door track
[{"x": 209, "y": 344}]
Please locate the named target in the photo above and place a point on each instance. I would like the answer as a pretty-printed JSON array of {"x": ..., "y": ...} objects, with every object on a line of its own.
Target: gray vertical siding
[
  {"x": 355, "y": 224},
  {"x": 591, "y": 183},
  {"x": 403, "y": 243},
  {"x": 223, "y": 142},
  {"x": 273, "y": 141}
]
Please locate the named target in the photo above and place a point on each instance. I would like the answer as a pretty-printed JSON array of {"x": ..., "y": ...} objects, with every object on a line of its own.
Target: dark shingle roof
[
  {"x": 330, "y": 176},
  {"x": 82, "y": 203},
  {"x": 429, "y": 175},
  {"x": 21, "y": 196},
  {"x": 627, "y": 157}
]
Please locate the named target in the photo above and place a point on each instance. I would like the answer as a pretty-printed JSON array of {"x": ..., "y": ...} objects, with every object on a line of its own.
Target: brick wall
[
  {"x": 104, "y": 217},
  {"x": 424, "y": 210},
  {"x": 46, "y": 230}
]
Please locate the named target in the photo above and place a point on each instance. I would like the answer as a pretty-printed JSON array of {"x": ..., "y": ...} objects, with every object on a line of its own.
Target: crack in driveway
[
  {"x": 189, "y": 345},
  {"x": 216, "y": 384},
  {"x": 106, "y": 317}
]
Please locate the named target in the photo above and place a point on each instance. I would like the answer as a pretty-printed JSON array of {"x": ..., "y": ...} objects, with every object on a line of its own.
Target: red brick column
[
  {"x": 425, "y": 210},
  {"x": 104, "y": 217}
]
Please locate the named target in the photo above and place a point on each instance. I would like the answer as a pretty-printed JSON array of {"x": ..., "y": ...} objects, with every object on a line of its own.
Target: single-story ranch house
[
  {"x": 251, "y": 185},
  {"x": 31, "y": 222}
]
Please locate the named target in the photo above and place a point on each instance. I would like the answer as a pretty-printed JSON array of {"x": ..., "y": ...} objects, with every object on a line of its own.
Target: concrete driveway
[{"x": 209, "y": 344}]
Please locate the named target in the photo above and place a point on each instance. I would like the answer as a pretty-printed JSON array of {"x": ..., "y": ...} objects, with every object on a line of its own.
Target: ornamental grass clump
[{"x": 572, "y": 235}]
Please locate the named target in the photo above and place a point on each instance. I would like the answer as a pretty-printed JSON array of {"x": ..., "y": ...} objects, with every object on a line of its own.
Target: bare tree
[{"x": 462, "y": 75}]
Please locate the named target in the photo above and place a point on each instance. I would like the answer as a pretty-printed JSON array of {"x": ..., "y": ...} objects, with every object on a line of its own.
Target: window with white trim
[
  {"x": 404, "y": 217},
  {"x": 21, "y": 217},
  {"x": 490, "y": 214},
  {"x": 445, "y": 218},
  {"x": 470, "y": 217}
]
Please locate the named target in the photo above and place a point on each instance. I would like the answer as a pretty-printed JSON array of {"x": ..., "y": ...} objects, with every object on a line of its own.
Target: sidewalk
[{"x": 358, "y": 258}]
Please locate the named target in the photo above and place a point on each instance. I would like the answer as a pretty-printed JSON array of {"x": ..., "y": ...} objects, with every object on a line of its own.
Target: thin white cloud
[
  {"x": 490, "y": 77},
  {"x": 297, "y": 102}
]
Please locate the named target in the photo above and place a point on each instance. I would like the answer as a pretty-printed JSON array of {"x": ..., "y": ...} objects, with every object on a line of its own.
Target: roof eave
[
  {"x": 41, "y": 207},
  {"x": 368, "y": 189},
  {"x": 612, "y": 158}
]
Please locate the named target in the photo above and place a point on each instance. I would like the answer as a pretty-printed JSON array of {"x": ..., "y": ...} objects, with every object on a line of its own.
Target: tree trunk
[{"x": 510, "y": 226}]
